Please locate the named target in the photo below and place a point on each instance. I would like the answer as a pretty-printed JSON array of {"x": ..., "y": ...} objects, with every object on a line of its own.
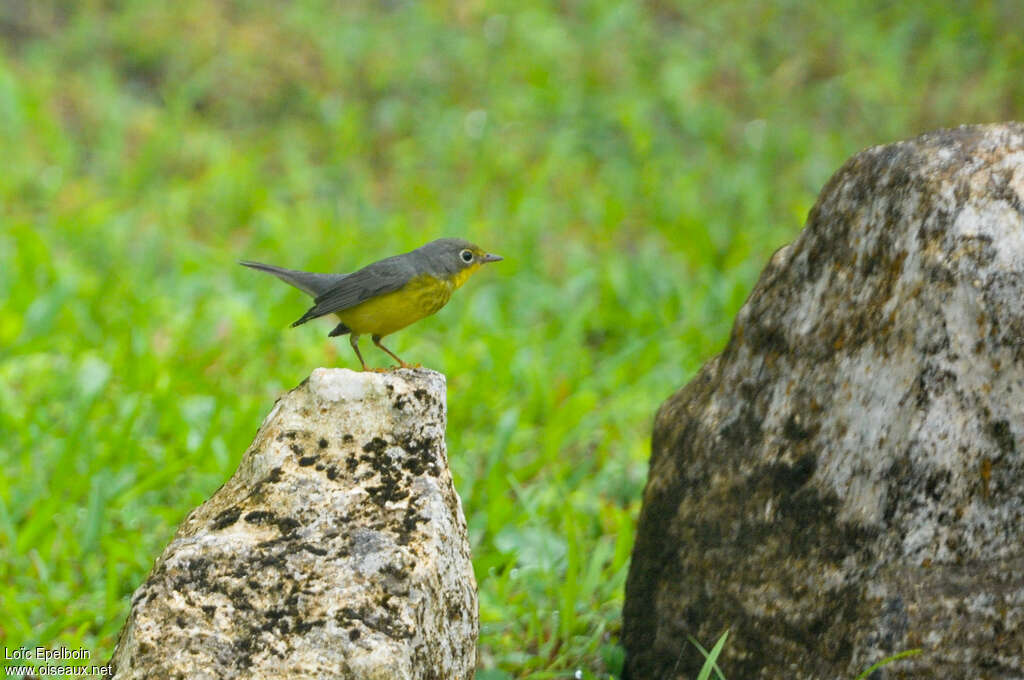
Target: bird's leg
[
  {"x": 376, "y": 341},
  {"x": 354, "y": 341}
]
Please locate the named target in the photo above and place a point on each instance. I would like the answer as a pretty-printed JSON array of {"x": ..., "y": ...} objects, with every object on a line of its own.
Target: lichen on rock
[
  {"x": 337, "y": 550},
  {"x": 846, "y": 480}
]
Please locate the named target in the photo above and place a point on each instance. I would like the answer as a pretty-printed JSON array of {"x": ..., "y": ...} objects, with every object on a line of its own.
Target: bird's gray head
[{"x": 453, "y": 255}]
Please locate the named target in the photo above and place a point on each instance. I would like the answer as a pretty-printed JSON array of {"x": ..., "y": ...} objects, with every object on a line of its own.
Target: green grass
[{"x": 636, "y": 164}]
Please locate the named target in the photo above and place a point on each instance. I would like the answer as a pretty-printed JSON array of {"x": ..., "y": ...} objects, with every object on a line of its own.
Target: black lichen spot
[
  {"x": 387, "y": 622},
  {"x": 414, "y": 465},
  {"x": 260, "y": 517},
  {"x": 272, "y": 478},
  {"x": 306, "y": 461},
  {"x": 767, "y": 339},
  {"x": 209, "y": 610},
  {"x": 194, "y": 574},
  {"x": 392, "y": 482},
  {"x": 332, "y": 473},
  {"x": 394, "y": 572},
  {"x": 787, "y": 478},
  {"x": 306, "y": 626},
  {"x": 274, "y": 614},
  {"x": 239, "y": 599},
  {"x": 226, "y": 518},
  {"x": 287, "y": 524},
  {"x": 322, "y": 443},
  {"x": 932, "y": 382},
  {"x": 936, "y": 483},
  {"x": 416, "y": 446},
  {"x": 1000, "y": 432},
  {"x": 410, "y": 523},
  {"x": 281, "y": 626},
  {"x": 141, "y": 595},
  {"x": 354, "y": 634},
  {"x": 272, "y": 555},
  {"x": 310, "y": 548},
  {"x": 375, "y": 445},
  {"x": 245, "y": 647},
  {"x": 420, "y": 458},
  {"x": 387, "y": 491},
  {"x": 347, "y": 439},
  {"x": 296, "y": 449}
]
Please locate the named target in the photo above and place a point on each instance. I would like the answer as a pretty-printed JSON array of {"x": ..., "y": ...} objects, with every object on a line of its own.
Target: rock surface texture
[
  {"x": 337, "y": 550},
  {"x": 846, "y": 480}
]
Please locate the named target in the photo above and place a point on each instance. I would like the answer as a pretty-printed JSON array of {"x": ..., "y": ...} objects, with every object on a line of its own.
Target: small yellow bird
[{"x": 388, "y": 295}]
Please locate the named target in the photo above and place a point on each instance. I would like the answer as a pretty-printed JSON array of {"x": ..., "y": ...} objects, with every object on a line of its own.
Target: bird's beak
[{"x": 490, "y": 257}]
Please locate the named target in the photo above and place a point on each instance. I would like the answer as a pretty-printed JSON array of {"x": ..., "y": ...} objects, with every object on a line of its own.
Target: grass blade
[
  {"x": 710, "y": 657},
  {"x": 888, "y": 660}
]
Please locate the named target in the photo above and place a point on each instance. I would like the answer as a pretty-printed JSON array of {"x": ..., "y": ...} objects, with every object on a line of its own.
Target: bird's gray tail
[{"x": 308, "y": 282}]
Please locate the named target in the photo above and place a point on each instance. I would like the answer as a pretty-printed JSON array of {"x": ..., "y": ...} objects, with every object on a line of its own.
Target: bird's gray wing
[
  {"x": 376, "y": 279},
  {"x": 308, "y": 282}
]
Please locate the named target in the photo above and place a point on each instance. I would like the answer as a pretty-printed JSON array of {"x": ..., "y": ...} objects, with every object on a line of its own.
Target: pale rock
[{"x": 337, "y": 550}]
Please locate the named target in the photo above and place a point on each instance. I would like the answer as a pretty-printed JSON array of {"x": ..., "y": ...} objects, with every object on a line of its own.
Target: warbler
[{"x": 387, "y": 295}]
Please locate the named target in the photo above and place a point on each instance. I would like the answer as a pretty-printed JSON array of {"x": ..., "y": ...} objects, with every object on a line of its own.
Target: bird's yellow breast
[
  {"x": 459, "y": 278},
  {"x": 419, "y": 298}
]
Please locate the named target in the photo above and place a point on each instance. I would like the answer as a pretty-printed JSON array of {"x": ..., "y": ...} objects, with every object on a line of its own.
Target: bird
[{"x": 389, "y": 294}]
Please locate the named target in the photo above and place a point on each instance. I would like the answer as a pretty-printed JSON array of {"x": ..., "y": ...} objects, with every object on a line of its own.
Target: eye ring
[{"x": 466, "y": 256}]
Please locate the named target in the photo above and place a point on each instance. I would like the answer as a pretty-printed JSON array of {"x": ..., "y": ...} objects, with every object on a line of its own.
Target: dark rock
[{"x": 846, "y": 480}]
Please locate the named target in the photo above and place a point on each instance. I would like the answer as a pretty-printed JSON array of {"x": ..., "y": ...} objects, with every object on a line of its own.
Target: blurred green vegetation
[{"x": 636, "y": 164}]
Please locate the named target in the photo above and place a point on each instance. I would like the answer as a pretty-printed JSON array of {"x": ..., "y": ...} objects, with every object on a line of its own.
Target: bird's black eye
[{"x": 467, "y": 256}]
